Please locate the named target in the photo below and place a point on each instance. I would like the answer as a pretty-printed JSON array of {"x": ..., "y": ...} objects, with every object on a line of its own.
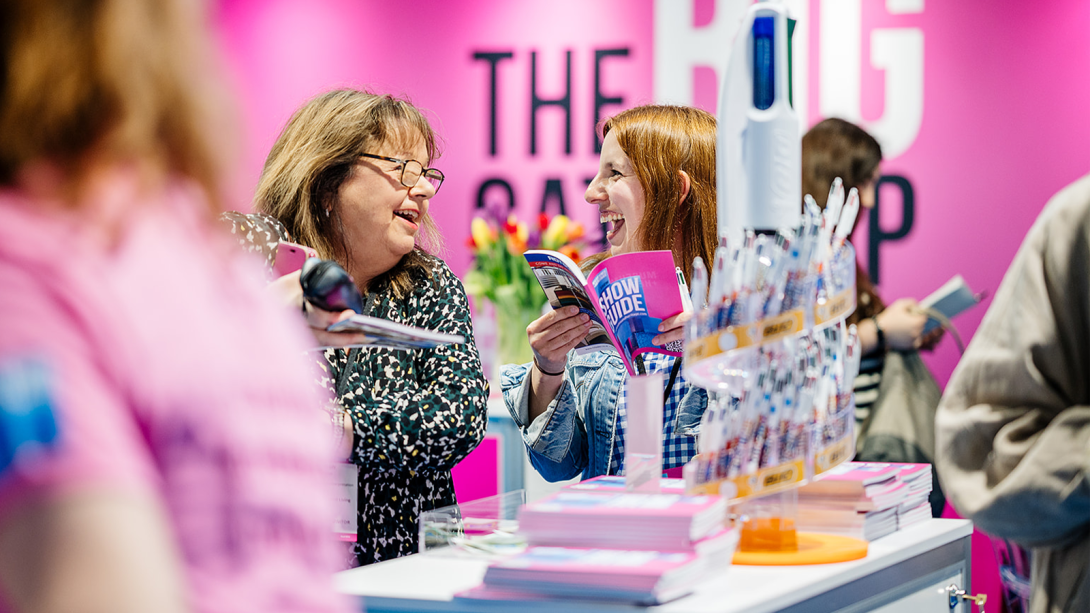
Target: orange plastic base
[
  {"x": 768, "y": 534},
  {"x": 813, "y": 549}
]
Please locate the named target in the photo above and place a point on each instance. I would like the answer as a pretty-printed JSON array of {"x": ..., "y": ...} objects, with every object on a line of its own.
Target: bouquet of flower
[{"x": 501, "y": 275}]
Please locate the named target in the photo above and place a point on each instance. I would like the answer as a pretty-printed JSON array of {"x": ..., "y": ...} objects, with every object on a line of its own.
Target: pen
[
  {"x": 834, "y": 203},
  {"x": 699, "y": 297},
  {"x": 699, "y": 300},
  {"x": 847, "y": 218},
  {"x": 718, "y": 283},
  {"x": 686, "y": 299}
]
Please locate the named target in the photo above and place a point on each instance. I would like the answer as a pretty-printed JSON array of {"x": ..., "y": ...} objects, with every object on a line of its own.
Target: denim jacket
[{"x": 577, "y": 433}]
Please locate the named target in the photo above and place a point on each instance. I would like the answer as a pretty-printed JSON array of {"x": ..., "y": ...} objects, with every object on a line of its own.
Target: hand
[
  {"x": 672, "y": 328},
  {"x": 318, "y": 320},
  {"x": 902, "y": 323},
  {"x": 556, "y": 333},
  {"x": 289, "y": 292}
]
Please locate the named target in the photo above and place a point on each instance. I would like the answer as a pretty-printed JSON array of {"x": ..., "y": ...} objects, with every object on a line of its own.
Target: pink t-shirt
[{"x": 171, "y": 374}]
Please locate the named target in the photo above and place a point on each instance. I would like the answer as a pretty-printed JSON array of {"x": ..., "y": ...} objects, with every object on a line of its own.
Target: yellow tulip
[
  {"x": 554, "y": 234},
  {"x": 482, "y": 235}
]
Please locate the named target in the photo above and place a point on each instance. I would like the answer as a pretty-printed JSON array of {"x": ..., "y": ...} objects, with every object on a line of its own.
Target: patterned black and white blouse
[{"x": 416, "y": 413}]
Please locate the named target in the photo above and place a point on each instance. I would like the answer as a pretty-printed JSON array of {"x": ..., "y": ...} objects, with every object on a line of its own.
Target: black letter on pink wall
[
  {"x": 877, "y": 235},
  {"x": 493, "y": 59},
  {"x": 563, "y": 102},
  {"x": 553, "y": 191},
  {"x": 495, "y": 182},
  {"x": 601, "y": 100}
]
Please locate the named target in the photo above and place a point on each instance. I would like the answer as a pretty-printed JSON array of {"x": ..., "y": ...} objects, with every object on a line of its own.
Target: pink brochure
[
  {"x": 626, "y": 296},
  {"x": 911, "y": 472},
  {"x": 853, "y": 478}
]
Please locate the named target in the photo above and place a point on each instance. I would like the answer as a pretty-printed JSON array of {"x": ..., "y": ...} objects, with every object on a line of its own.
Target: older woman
[
  {"x": 350, "y": 177},
  {"x": 656, "y": 188}
]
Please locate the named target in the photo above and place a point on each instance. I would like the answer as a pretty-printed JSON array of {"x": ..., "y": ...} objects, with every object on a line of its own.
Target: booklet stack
[
  {"x": 867, "y": 525},
  {"x": 615, "y": 575},
  {"x": 622, "y": 520},
  {"x": 857, "y": 499},
  {"x": 597, "y": 541},
  {"x": 916, "y": 506}
]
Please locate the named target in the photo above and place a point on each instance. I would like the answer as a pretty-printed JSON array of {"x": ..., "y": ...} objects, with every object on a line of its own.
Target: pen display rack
[
  {"x": 781, "y": 408},
  {"x": 779, "y": 364}
]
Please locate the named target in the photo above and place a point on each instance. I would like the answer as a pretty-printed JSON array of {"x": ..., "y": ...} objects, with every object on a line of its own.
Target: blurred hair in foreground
[{"x": 89, "y": 83}]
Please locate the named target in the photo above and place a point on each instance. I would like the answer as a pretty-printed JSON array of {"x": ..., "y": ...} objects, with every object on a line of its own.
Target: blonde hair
[
  {"x": 662, "y": 140},
  {"x": 108, "y": 81},
  {"x": 315, "y": 154}
]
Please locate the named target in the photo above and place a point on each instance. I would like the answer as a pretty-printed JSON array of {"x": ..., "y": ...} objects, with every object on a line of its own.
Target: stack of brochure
[
  {"x": 855, "y": 499},
  {"x": 596, "y": 541},
  {"x": 622, "y": 520},
  {"x": 868, "y": 525},
  {"x": 623, "y": 576},
  {"x": 916, "y": 507}
]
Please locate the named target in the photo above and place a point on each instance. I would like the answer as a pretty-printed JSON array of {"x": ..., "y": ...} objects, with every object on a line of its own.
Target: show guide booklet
[{"x": 627, "y": 296}]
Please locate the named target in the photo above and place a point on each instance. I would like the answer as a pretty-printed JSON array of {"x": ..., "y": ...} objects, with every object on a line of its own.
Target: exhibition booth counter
[{"x": 911, "y": 570}]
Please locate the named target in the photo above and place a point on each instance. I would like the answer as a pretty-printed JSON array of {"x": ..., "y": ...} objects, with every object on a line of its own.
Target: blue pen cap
[
  {"x": 764, "y": 62},
  {"x": 26, "y": 408}
]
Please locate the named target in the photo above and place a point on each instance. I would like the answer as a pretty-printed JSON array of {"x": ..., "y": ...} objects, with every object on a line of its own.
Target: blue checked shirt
[
  {"x": 677, "y": 448},
  {"x": 581, "y": 432}
]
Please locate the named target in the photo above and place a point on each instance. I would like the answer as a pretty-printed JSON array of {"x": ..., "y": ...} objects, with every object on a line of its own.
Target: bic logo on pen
[{"x": 680, "y": 49}]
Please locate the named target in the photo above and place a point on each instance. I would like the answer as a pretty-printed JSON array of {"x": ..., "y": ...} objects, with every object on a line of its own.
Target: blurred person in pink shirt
[{"x": 159, "y": 444}]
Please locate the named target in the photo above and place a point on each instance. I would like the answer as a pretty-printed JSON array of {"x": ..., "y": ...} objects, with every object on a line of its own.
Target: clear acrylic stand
[{"x": 487, "y": 525}]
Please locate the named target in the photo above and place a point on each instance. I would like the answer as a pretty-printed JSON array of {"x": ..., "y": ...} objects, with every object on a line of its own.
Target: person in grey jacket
[
  {"x": 1013, "y": 428},
  {"x": 655, "y": 188}
]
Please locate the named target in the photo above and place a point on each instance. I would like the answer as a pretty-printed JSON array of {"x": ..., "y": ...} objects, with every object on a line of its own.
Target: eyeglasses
[{"x": 411, "y": 171}]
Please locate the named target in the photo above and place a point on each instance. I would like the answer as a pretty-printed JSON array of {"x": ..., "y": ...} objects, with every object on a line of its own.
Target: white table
[{"x": 905, "y": 571}]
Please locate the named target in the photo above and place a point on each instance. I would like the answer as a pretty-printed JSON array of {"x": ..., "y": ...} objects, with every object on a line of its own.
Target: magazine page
[
  {"x": 635, "y": 293},
  {"x": 564, "y": 285},
  {"x": 385, "y": 333}
]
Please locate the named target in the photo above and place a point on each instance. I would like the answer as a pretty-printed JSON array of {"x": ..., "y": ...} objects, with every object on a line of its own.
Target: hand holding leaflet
[
  {"x": 949, "y": 300},
  {"x": 330, "y": 288},
  {"x": 392, "y": 335},
  {"x": 626, "y": 297}
]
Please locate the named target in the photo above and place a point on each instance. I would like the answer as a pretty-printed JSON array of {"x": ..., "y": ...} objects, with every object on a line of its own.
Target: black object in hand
[{"x": 329, "y": 287}]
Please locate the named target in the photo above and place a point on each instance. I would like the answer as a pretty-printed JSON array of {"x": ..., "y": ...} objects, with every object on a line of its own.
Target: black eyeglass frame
[{"x": 424, "y": 172}]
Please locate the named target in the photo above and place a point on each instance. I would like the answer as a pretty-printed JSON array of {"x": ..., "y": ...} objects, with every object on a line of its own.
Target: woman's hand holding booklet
[{"x": 627, "y": 298}]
